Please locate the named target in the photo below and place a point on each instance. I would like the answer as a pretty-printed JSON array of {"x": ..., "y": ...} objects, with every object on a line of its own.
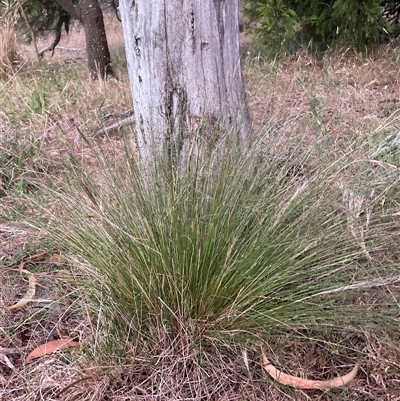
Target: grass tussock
[
  {"x": 233, "y": 251},
  {"x": 293, "y": 246},
  {"x": 8, "y": 47}
]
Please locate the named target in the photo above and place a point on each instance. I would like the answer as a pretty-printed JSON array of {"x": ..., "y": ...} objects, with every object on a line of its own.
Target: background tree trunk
[
  {"x": 184, "y": 68},
  {"x": 98, "y": 54},
  {"x": 89, "y": 13}
]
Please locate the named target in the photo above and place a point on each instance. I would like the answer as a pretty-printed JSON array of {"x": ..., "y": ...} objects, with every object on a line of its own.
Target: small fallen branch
[
  {"x": 305, "y": 384},
  {"x": 130, "y": 119},
  {"x": 122, "y": 114},
  {"x": 71, "y": 49},
  {"x": 106, "y": 130}
]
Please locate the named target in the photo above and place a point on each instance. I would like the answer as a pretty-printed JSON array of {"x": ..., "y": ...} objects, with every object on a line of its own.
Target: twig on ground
[
  {"x": 122, "y": 114},
  {"x": 127, "y": 116},
  {"x": 72, "y": 49},
  {"x": 122, "y": 123}
]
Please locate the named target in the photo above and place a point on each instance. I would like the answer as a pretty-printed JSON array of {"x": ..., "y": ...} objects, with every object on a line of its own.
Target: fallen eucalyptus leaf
[
  {"x": 51, "y": 346},
  {"x": 33, "y": 258},
  {"x": 27, "y": 297},
  {"x": 305, "y": 384}
]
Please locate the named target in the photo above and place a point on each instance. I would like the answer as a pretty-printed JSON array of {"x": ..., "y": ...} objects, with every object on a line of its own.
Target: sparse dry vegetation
[
  {"x": 326, "y": 219},
  {"x": 8, "y": 47}
]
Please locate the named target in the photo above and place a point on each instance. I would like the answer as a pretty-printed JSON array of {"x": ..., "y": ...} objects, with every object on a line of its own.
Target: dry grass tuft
[{"x": 8, "y": 47}]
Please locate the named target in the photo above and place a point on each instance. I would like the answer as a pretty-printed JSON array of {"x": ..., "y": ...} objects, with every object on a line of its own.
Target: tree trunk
[
  {"x": 184, "y": 68},
  {"x": 89, "y": 13},
  {"x": 98, "y": 54}
]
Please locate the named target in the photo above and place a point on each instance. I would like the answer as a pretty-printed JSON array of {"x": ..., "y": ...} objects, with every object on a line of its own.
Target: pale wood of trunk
[{"x": 184, "y": 68}]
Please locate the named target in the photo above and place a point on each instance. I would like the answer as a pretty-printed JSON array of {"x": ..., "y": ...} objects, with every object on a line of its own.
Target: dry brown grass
[
  {"x": 350, "y": 93},
  {"x": 8, "y": 47},
  {"x": 47, "y": 110}
]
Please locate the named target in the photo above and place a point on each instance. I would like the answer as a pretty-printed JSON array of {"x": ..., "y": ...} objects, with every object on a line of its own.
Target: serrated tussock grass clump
[{"x": 233, "y": 245}]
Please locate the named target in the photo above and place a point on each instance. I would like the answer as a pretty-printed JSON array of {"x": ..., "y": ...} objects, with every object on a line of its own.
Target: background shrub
[{"x": 281, "y": 22}]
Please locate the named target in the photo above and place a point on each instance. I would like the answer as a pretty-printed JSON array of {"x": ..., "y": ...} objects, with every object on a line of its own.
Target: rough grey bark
[{"x": 184, "y": 68}]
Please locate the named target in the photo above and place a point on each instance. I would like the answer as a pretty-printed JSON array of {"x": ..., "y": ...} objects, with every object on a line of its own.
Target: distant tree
[
  {"x": 89, "y": 13},
  {"x": 46, "y": 15},
  {"x": 359, "y": 22}
]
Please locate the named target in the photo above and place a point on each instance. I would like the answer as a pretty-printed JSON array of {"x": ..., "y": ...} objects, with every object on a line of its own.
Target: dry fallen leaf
[
  {"x": 33, "y": 258},
  {"x": 305, "y": 384},
  {"x": 21, "y": 268},
  {"x": 52, "y": 346},
  {"x": 56, "y": 259},
  {"x": 27, "y": 297}
]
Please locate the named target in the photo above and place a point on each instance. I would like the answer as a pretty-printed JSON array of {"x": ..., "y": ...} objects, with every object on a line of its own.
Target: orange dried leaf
[
  {"x": 51, "y": 346},
  {"x": 305, "y": 384},
  {"x": 38, "y": 256},
  {"x": 27, "y": 297},
  {"x": 56, "y": 259},
  {"x": 21, "y": 268},
  {"x": 32, "y": 258}
]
